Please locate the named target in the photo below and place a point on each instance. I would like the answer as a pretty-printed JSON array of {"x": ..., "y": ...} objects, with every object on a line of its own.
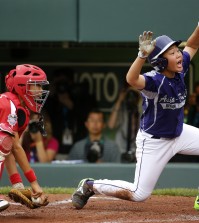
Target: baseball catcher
[{"x": 25, "y": 93}]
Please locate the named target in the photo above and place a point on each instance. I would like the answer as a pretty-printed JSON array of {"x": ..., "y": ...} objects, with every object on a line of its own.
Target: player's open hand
[{"x": 146, "y": 44}]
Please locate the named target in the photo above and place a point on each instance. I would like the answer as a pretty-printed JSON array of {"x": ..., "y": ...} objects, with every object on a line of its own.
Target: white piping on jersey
[
  {"x": 156, "y": 95},
  {"x": 3, "y": 95},
  {"x": 12, "y": 117},
  {"x": 149, "y": 94},
  {"x": 13, "y": 108}
]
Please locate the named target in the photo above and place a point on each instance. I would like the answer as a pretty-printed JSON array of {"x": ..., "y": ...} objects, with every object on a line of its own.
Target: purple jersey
[{"x": 163, "y": 102}]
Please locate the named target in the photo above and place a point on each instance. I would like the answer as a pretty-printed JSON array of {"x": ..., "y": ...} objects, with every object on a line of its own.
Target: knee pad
[
  {"x": 6, "y": 143},
  {"x": 140, "y": 196}
]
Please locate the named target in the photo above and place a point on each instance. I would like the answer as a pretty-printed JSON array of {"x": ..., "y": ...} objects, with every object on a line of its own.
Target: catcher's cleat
[
  {"x": 196, "y": 203},
  {"x": 3, "y": 205},
  {"x": 82, "y": 194}
]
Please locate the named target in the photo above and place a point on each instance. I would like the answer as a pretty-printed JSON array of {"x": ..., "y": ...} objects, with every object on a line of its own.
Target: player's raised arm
[
  {"x": 146, "y": 46},
  {"x": 193, "y": 42}
]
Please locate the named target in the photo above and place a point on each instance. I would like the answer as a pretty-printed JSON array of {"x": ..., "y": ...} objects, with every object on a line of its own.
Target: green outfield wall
[
  {"x": 68, "y": 175},
  {"x": 95, "y": 20}
]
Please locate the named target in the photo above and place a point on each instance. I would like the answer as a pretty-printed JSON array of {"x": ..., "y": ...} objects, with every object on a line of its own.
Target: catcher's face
[
  {"x": 35, "y": 90},
  {"x": 35, "y": 95},
  {"x": 95, "y": 123}
]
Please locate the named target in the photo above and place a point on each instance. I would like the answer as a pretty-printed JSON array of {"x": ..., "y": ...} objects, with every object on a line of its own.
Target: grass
[
  {"x": 186, "y": 192},
  {"x": 48, "y": 190}
]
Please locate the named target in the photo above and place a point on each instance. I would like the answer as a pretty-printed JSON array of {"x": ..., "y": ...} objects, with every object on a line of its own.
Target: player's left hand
[{"x": 146, "y": 44}]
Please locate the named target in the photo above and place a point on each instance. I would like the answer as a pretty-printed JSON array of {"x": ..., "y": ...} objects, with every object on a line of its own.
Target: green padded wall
[
  {"x": 125, "y": 20},
  {"x": 95, "y": 20},
  {"x": 38, "y": 20},
  {"x": 175, "y": 175}
]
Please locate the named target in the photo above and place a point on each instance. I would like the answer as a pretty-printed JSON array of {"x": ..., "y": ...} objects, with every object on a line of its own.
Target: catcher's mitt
[{"x": 24, "y": 196}]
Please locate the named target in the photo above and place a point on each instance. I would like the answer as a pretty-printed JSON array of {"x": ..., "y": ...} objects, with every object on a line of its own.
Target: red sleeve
[{"x": 8, "y": 113}]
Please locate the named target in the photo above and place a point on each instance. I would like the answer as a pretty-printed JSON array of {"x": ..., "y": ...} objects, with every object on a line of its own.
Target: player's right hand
[
  {"x": 36, "y": 189},
  {"x": 146, "y": 44}
]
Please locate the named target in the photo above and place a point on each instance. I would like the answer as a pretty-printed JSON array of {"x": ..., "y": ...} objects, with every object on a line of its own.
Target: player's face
[
  {"x": 95, "y": 123},
  {"x": 35, "y": 90},
  {"x": 174, "y": 57},
  {"x": 35, "y": 87}
]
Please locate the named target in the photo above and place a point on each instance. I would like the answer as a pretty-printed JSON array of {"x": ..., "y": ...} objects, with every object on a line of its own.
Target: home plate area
[{"x": 101, "y": 209}]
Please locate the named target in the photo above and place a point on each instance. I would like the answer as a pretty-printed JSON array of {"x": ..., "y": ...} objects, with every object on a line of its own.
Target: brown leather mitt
[{"x": 24, "y": 196}]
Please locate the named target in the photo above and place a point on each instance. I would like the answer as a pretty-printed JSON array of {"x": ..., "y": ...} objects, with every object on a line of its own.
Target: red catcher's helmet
[{"x": 27, "y": 81}]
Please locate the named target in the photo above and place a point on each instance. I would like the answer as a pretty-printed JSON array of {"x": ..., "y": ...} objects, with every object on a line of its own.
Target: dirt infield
[{"x": 106, "y": 210}]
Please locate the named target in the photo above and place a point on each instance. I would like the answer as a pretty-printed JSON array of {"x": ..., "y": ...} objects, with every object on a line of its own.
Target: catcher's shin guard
[
  {"x": 3, "y": 205},
  {"x": 6, "y": 141}
]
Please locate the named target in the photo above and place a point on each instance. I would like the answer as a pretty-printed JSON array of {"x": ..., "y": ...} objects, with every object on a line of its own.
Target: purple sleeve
[{"x": 150, "y": 83}]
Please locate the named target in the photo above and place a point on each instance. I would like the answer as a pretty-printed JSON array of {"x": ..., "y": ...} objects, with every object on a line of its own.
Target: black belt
[
  {"x": 155, "y": 137},
  {"x": 158, "y": 137}
]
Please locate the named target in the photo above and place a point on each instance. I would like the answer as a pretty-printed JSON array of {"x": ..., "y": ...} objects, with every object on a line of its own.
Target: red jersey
[{"x": 12, "y": 113}]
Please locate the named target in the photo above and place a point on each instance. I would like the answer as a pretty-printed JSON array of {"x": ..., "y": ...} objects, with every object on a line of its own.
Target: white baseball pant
[{"x": 152, "y": 156}]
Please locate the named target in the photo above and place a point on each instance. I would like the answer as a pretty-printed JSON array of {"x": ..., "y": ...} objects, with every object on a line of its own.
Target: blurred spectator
[
  {"x": 63, "y": 74},
  {"x": 196, "y": 87},
  {"x": 39, "y": 148},
  {"x": 84, "y": 103},
  {"x": 60, "y": 106},
  {"x": 193, "y": 111},
  {"x": 125, "y": 119},
  {"x": 95, "y": 148},
  {"x": 190, "y": 106},
  {"x": 68, "y": 105}
]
